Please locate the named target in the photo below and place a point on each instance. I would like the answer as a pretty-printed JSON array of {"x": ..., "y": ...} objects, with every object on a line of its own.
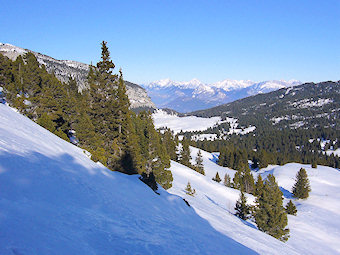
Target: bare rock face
[{"x": 63, "y": 69}]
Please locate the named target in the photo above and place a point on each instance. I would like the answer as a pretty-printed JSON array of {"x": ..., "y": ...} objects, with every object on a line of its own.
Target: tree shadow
[
  {"x": 286, "y": 193},
  {"x": 65, "y": 197}
]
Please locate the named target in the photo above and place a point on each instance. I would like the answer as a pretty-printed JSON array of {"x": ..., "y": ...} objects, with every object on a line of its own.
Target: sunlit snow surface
[
  {"x": 55, "y": 200},
  {"x": 315, "y": 229},
  {"x": 189, "y": 123},
  {"x": 193, "y": 123}
]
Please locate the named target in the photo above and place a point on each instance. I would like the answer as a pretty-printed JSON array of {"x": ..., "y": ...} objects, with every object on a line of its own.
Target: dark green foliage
[
  {"x": 235, "y": 159},
  {"x": 227, "y": 181},
  {"x": 291, "y": 208},
  {"x": 189, "y": 191},
  {"x": 100, "y": 115},
  {"x": 270, "y": 215},
  {"x": 184, "y": 157},
  {"x": 259, "y": 186},
  {"x": 154, "y": 156},
  {"x": 171, "y": 142},
  {"x": 301, "y": 187},
  {"x": 217, "y": 178},
  {"x": 314, "y": 164},
  {"x": 150, "y": 180},
  {"x": 199, "y": 163},
  {"x": 244, "y": 181},
  {"x": 241, "y": 208}
]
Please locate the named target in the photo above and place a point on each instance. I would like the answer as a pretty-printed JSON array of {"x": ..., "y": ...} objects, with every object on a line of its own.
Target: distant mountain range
[
  {"x": 195, "y": 95},
  {"x": 63, "y": 69}
]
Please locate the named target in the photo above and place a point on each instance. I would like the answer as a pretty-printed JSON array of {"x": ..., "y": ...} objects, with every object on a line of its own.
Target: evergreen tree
[
  {"x": 185, "y": 156},
  {"x": 189, "y": 190},
  {"x": 227, "y": 181},
  {"x": 242, "y": 209},
  {"x": 259, "y": 186},
  {"x": 154, "y": 157},
  {"x": 301, "y": 187},
  {"x": 244, "y": 180},
  {"x": 291, "y": 208},
  {"x": 270, "y": 215},
  {"x": 199, "y": 163},
  {"x": 171, "y": 143},
  {"x": 217, "y": 178}
]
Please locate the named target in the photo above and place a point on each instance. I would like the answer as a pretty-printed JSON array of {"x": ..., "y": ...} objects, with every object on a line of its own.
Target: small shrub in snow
[
  {"x": 291, "y": 208},
  {"x": 217, "y": 178},
  {"x": 190, "y": 191}
]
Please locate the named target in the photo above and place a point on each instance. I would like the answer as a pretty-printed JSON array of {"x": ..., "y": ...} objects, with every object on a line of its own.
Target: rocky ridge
[{"x": 63, "y": 69}]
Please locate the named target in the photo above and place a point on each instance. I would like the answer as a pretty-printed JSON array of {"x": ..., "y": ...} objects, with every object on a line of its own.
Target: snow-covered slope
[
  {"x": 177, "y": 124},
  {"x": 315, "y": 229},
  {"x": 194, "y": 95},
  {"x": 55, "y": 200}
]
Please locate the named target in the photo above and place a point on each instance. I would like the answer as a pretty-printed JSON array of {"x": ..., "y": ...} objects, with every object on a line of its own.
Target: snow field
[
  {"x": 55, "y": 200},
  {"x": 189, "y": 123}
]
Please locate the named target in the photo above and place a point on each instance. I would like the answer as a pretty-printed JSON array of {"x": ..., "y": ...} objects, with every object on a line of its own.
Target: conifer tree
[
  {"x": 259, "y": 186},
  {"x": 154, "y": 157},
  {"x": 291, "y": 208},
  {"x": 242, "y": 209},
  {"x": 301, "y": 187},
  {"x": 185, "y": 156},
  {"x": 244, "y": 180},
  {"x": 227, "y": 181},
  {"x": 199, "y": 163},
  {"x": 217, "y": 178},
  {"x": 170, "y": 143},
  {"x": 190, "y": 191},
  {"x": 270, "y": 215}
]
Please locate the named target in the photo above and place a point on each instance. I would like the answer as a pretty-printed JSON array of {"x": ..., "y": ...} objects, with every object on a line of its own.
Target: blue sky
[{"x": 181, "y": 40}]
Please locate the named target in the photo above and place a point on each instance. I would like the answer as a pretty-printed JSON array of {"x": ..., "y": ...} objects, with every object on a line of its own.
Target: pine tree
[
  {"x": 259, "y": 186},
  {"x": 154, "y": 157},
  {"x": 199, "y": 163},
  {"x": 185, "y": 156},
  {"x": 227, "y": 181},
  {"x": 242, "y": 209},
  {"x": 189, "y": 190},
  {"x": 291, "y": 208},
  {"x": 301, "y": 188},
  {"x": 270, "y": 215},
  {"x": 244, "y": 180},
  {"x": 217, "y": 178}
]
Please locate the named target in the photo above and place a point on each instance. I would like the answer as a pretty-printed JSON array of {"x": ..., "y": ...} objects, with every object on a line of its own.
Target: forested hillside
[
  {"x": 298, "y": 124},
  {"x": 100, "y": 116}
]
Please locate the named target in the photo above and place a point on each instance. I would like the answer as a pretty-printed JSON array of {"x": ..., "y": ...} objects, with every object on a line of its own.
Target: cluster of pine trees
[
  {"x": 269, "y": 214},
  {"x": 101, "y": 116},
  {"x": 275, "y": 147}
]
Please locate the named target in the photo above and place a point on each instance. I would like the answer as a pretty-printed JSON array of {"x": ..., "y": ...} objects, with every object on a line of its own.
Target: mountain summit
[{"x": 193, "y": 95}]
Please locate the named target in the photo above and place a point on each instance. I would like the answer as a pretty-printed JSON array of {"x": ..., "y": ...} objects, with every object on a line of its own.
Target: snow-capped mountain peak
[{"x": 194, "y": 95}]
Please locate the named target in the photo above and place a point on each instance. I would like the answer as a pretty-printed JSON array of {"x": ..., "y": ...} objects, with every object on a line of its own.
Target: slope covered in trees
[
  {"x": 100, "y": 115},
  {"x": 297, "y": 124}
]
